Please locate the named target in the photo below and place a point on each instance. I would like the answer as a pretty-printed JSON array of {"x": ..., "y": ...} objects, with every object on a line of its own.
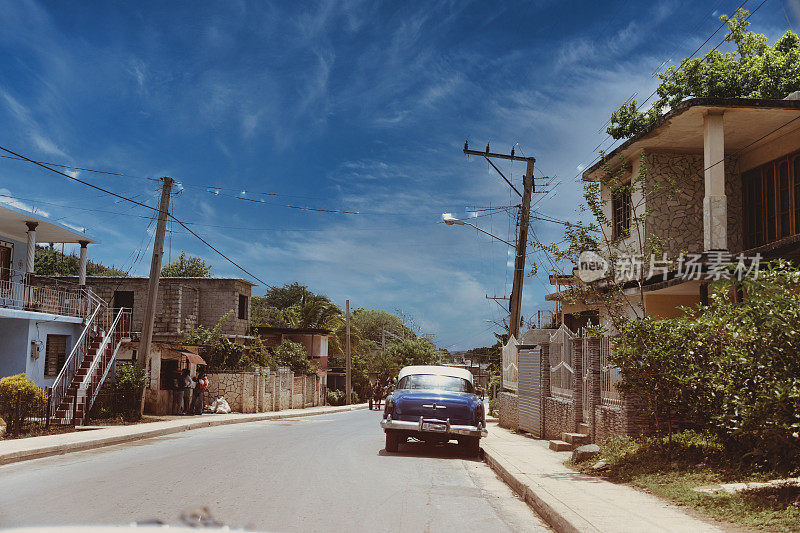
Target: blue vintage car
[{"x": 434, "y": 404}]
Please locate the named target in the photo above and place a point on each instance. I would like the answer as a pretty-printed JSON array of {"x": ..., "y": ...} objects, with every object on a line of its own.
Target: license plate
[{"x": 433, "y": 426}]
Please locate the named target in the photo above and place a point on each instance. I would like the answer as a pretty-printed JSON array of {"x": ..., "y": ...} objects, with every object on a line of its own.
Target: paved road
[{"x": 321, "y": 473}]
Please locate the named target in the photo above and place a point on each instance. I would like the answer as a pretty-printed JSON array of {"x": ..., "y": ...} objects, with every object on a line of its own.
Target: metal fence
[
  {"x": 561, "y": 369},
  {"x": 610, "y": 376}
]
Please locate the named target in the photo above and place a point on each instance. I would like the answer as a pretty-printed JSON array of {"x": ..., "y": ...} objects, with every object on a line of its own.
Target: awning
[{"x": 194, "y": 358}]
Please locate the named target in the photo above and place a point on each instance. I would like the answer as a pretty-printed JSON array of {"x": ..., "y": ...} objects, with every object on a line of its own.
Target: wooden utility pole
[
  {"x": 515, "y": 303},
  {"x": 155, "y": 274},
  {"x": 349, "y": 371}
]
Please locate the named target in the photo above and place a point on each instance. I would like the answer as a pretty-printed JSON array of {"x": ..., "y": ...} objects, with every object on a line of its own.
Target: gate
[{"x": 531, "y": 402}]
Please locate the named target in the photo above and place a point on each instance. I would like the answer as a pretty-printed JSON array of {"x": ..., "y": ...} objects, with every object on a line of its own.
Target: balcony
[{"x": 22, "y": 293}]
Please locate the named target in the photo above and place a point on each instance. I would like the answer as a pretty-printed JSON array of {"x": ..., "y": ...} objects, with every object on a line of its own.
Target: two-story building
[
  {"x": 182, "y": 305},
  {"x": 39, "y": 326},
  {"x": 720, "y": 178}
]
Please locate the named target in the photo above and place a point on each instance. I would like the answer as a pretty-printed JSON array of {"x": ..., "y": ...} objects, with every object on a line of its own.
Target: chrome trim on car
[{"x": 453, "y": 429}]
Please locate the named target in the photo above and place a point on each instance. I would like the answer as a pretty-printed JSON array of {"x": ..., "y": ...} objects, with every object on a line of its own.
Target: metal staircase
[{"x": 92, "y": 357}]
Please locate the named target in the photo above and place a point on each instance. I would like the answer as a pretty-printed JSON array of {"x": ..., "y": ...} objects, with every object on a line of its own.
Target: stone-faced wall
[
  {"x": 508, "y": 410},
  {"x": 675, "y": 186},
  {"x": 257, "y": 392},
  {"x": 559, "y": 417}
]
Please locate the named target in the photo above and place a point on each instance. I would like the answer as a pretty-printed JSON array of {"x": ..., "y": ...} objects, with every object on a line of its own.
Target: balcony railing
[{"x": 20, "y": 293}]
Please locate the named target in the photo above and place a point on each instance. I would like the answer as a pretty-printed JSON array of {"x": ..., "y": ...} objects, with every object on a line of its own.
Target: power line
[{"x": 234, "y": 263}]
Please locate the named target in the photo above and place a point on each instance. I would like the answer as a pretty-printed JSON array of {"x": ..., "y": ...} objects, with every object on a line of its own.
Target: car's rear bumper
[{"x": 452, "y": 429}]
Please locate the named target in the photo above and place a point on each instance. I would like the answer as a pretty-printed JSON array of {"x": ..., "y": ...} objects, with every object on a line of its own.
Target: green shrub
[
  {"x": 729, "y": 368},
  {"x": 33, "y": 399},
  {"x": 293, "y": 355},
  {"x": 335, "y": 397}
]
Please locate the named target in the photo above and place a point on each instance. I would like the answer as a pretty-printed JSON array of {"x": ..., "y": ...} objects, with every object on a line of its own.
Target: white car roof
[{"x": 436, "y": 370}]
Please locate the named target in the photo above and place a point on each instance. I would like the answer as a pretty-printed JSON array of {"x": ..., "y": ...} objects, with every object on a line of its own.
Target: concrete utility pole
[
  {"x": 515, "y": 303},
  {"x": 349, "y": 371},
  {"x": 155, "y": 274}
]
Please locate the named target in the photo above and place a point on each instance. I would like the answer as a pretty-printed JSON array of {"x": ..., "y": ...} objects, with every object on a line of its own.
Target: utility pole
[
  {"x": 515, "y": 301},
  {"x": 349, "y": 376},
  {"x": 155, "y": 274}
]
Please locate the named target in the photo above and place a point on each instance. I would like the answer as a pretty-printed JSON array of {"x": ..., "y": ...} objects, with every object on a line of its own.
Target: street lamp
[{"x": 450, "y": 220}]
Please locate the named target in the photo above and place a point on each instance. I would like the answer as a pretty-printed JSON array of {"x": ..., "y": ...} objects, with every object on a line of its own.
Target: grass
[{"x": 693, "y": 460}]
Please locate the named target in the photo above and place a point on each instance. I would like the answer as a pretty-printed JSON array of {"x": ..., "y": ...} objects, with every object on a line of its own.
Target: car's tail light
[
  {"x": 479, "y": 412},
  {"x": 389, "y": 405}
]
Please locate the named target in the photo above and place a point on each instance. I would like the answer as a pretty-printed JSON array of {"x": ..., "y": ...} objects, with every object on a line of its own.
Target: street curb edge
[{"x": 557, "y": 515}]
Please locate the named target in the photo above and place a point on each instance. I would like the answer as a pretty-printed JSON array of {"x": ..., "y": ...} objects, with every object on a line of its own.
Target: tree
[
  {"x": 293, "y": 355},
  {"x": 419, "y": 351},
  {"x": 370, "y": 322},
  {"x": 288, "y": 295},
  {"x": 754, "y": 70},
  {"x": 190, "y": 266},
  {"x": 51, "y": 262}
]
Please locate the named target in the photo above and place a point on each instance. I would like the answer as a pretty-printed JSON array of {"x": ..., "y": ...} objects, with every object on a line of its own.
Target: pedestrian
[
  {"x": 182, "y": 384},
  {"x": 187, "y": 391},
  {"x": 199, "y": 396},
  {"x": 177, "y": 393}
]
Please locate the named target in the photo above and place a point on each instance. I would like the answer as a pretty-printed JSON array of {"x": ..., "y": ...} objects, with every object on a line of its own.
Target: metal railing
[
  {"x": 610, "y": 376},
  {"x": 20, "y": 292},
  {"x": 63, "y": 380},
  {"x": 117, "y": 331}
]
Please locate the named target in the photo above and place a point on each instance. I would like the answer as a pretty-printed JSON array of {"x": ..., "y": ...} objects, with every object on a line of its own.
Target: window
[
  {"x": 621, "y": 212},
  {"x": 435, "y": 382},
  {"x": 771, "y": 198},
  {"x": 123, "y": 299},
  {"x": 55, "y": 355},
  {"x": 242, "y": 307}
]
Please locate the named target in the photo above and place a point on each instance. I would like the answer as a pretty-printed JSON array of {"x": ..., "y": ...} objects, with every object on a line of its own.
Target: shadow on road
[{"x": 431, "y": 451}]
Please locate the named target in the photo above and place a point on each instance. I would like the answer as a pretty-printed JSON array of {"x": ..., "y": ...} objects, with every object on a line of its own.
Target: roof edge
[{"x": 683, "y": 107}]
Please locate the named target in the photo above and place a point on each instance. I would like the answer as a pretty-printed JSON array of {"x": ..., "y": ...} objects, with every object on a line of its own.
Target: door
[
  {"x": 531, "y": 402},
  {"x": 5, "y": 263}
]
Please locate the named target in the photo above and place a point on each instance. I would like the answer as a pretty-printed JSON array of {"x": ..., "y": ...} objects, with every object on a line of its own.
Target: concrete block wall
[{"x": 183, "y": 303}]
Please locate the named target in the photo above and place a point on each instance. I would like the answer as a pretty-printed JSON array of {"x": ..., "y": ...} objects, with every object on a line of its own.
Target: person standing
[
  {"x": 184, "y": 381},
  {"x": 199, "y": 396}
]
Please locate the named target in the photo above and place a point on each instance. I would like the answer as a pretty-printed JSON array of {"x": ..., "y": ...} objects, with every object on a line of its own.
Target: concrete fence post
[
  {"x": 544, "y": 383},
  {"x": 275, "y": 392},
  {"x": 577, "y": 380},
  {"x": 595, "y": 377}
]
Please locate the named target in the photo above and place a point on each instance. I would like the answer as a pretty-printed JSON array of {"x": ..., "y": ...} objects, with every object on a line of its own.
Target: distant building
[{"x": 314, "y": 340}]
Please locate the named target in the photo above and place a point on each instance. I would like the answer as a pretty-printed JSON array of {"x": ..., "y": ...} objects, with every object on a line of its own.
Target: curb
[
  {"x": 557, "y": 514},
  {"x": 61, "y": 449}
]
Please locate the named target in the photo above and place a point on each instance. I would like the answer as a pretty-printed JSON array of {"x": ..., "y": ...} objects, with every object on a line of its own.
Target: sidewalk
[
  {"x": 570, "y": 501},
  {"x": 12, "y": 451}
]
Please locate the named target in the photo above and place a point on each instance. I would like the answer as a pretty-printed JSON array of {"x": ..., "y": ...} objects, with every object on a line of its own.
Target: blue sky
[{"x": 349, "y": 105}]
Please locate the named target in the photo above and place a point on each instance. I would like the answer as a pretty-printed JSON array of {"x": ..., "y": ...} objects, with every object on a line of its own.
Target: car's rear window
[{"x": 432, "y": 381}]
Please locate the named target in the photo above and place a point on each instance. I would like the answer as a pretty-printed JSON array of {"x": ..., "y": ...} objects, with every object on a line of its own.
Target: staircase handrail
[
  {"x": 113, "y": 334},
  {"x": 68, "y": 370}
]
